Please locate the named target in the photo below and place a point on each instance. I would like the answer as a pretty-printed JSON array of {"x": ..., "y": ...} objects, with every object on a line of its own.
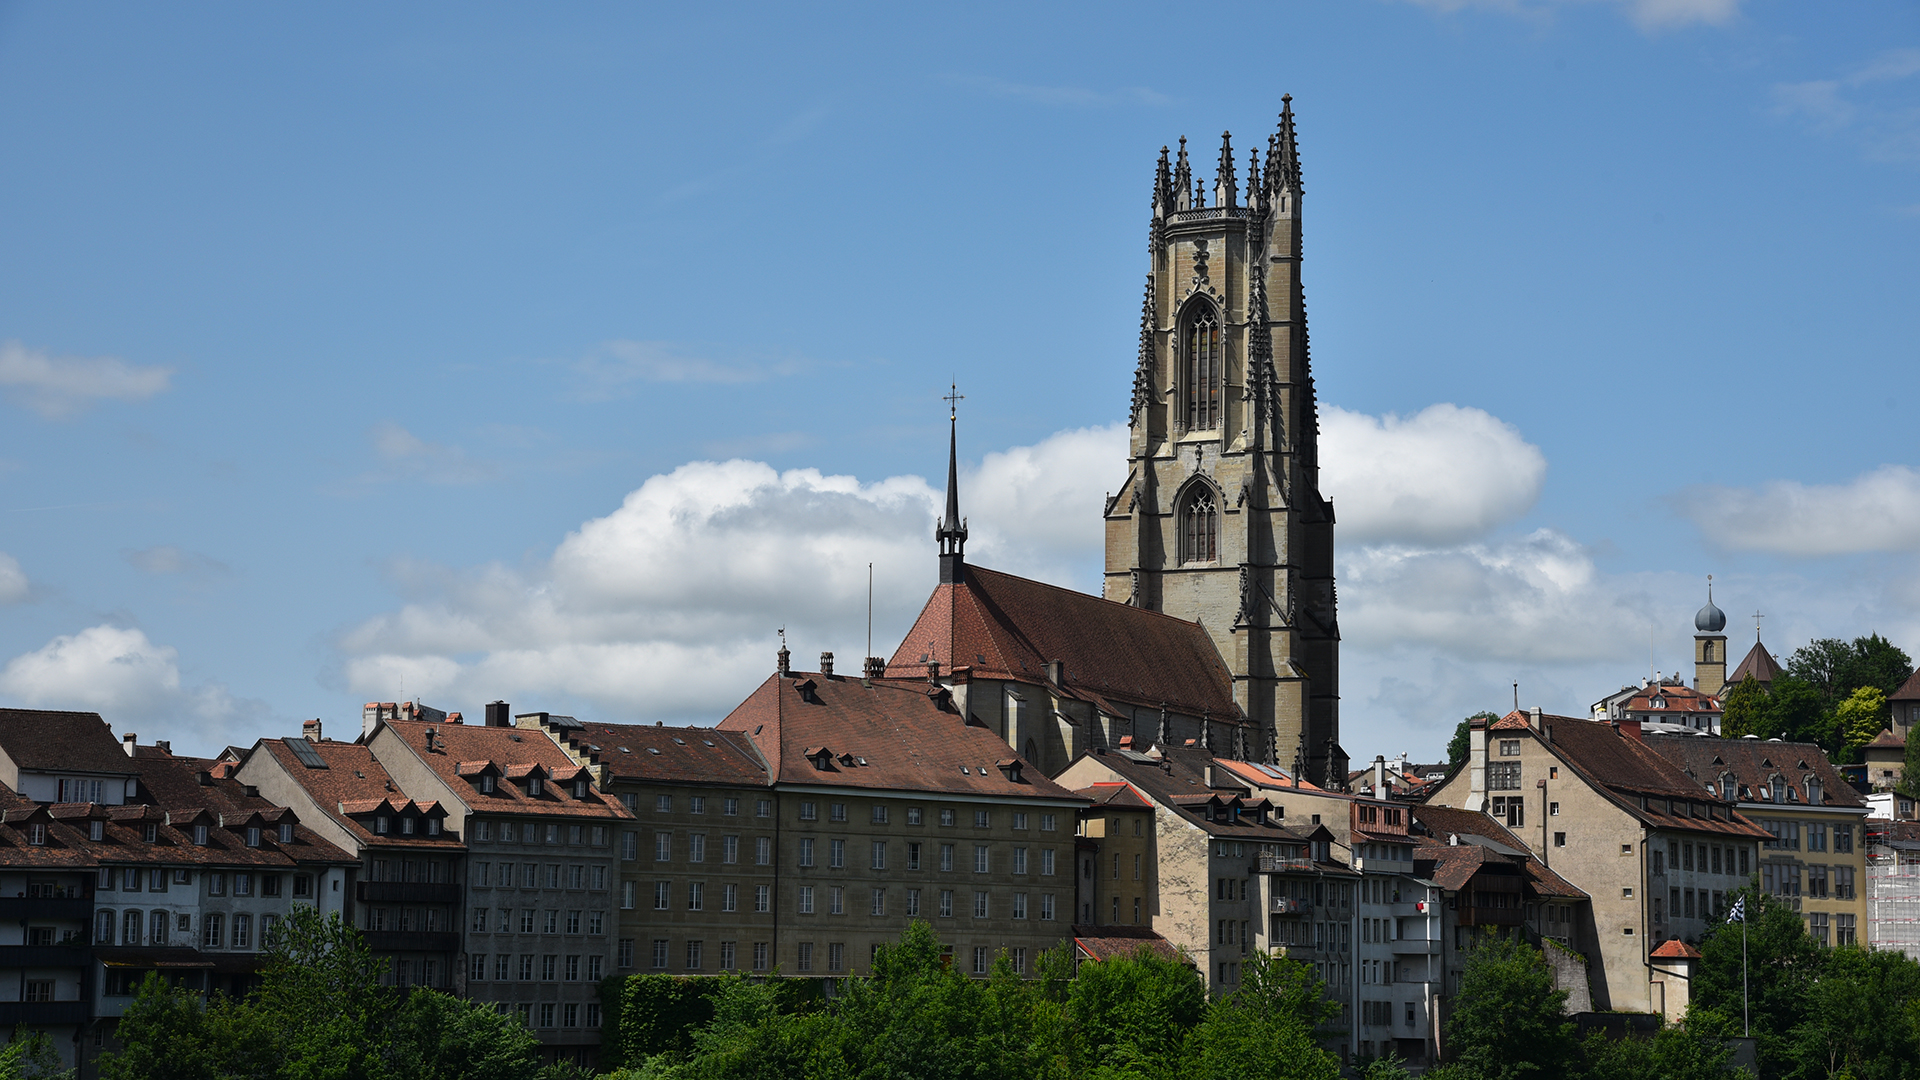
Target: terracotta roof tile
[
  {"x": 1178, "y": 782},
  {"x": 353, "y": 782},
  {"x": 901, "y": 738},
  {"x": 686, "y": 755},
  {"x": 1676, "y": 949},
  {"x": 516, "y": 751},
  {"x": 1010, "y": 627},
  {"x": 1754, "y": 763},
  {"x": 1909, "y": 690},
  {"x": 1455, "y": 864},
  {"x": 1120, "y": 942},
  {"x": 46, "y": 741}
]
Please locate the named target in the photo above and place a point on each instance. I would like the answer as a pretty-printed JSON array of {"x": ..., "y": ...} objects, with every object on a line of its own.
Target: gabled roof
[
  {"x": 1758, "y": 663},
  {"x": 1888, "y": 739},
  {"x": 1753, "y": 764},
  {"x": 886, "y": 734},
  {"x": 1675, "y": 949},
  {"x": 1672, "y": 698},
  {"x": 517, "y": 752},
  {"x": 1909, "y": 690},
  {"x": 1455, "y": 864},
  {"x": 681, "y": 755},
  {"x": 1115, "y": 795},
  {"x": 174, "y": 785},
  {"x": 1120, "y": 942},
  {"x": 350, "y": 779},
  {"x": 42, "y": 740},
  {"x": 1176, "y": 779},
  {"x": 1007, "y": 627}
]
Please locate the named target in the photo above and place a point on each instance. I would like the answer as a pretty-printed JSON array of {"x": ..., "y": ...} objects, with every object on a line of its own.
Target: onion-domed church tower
[{"x": 1221, "y": 519}]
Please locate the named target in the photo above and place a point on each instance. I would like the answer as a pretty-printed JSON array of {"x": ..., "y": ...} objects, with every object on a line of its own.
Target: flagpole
[{"x": 1746, "y": 1022}]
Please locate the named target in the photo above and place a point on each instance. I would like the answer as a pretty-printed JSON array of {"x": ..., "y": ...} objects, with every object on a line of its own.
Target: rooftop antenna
[
  {"x": 869, "y": 610},
  {"x": 1516, "y": 695}
]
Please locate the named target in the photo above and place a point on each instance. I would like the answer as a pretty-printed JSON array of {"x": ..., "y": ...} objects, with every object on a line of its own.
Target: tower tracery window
[
  {"x": 1201, "y": 341},
  {"x": 1199, "y": 528}
]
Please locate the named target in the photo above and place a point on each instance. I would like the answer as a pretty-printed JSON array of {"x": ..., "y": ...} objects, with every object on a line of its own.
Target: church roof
[
  {"x": 1759, "y": 663},
  {"x": 1909, "y": 690},
  {"x": 1009, "y": 627}
]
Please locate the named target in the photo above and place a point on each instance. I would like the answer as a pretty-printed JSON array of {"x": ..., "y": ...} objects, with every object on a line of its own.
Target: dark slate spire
[
  {"x": 952, "y": 532},
  {"x": 1288, "y": 147},
  {"x": 1162, "y": 187},
  {"x": 1226, "y": 187},
  {"x": 1255, "y": 192},
  {"x": 1183, "y": 178}
]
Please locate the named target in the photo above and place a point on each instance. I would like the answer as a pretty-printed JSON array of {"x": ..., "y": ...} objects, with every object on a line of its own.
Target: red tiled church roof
[{"x": 1010, "y": 627}]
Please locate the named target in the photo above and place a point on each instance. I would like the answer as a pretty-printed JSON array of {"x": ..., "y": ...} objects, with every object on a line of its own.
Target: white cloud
[
  {"x": 1876, "y": 511},
  {"x": 406, "y": 455},
  {"x": 667, "y": 606},
  {"x": 60, "y": 386},
  {"x": 1863, "y": 103},
  {"x": 1648, "y": 15},
  {"x": 130, "y": 680},
  {"x": 1818, "y": 100},
  {"x": 13, "y": 580},
  {"x": 1441, "y": 476}
]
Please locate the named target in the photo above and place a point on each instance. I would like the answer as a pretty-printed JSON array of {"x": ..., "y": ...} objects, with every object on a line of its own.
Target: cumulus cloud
[
  {"x": 129, "y": 679},
  {"x": 1648, "y": 15},
  {"x": 1441, "y": 476},
  {"x": 60, "y": 386},
  {"x": 1876, "y": 511},
  {"x": 667, "y": 606},
  {"x": 13, "y": 580}
]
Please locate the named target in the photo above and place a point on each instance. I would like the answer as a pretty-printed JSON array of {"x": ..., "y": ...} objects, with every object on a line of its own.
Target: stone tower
[
  {"x": 1710, "y": 646},
  {"x": 1221, "y": 519}
]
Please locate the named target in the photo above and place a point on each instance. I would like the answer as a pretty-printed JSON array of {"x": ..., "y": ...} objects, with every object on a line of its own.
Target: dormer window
[
  {"x": 253, "y": 836},
  {"x": 486, "y": 783},
  {"x": 579, "y": 789},
  {"x": 96, "y": 830},
  {"x": 1813, "y": 790},
  {"x": 200, "y": 835},
  {"x": 533, "y": 787},
  {"x": 286, "y": 832},
  {"x": 433, "y": 826},
  {"x": 380, "y": 824},
  {"x": 37, "y": 834},
  {"x": 1779, "y": 789},
  {"x": 151, "y": 833},
  {"x": 406, "y": 826}
]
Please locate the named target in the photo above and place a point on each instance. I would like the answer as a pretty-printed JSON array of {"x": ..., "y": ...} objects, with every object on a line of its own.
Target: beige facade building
[
  {"x": 1220, "y": 519},
  {"x": 1620, "y": 822},
  {"x": 1119, "y": 861},
  {"x": 1814, "y": 855}
]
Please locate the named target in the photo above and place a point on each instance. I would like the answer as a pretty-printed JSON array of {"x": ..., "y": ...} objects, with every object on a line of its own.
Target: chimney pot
[
  {"x": 126, "y": 743},
  {"x": 1533, "y": 717},
  {"x": 310, "y": 729},
  {"x": 933, "y": 671},
  {"x": 876, "y": 667},
  {"x": 826, "y": 664}
]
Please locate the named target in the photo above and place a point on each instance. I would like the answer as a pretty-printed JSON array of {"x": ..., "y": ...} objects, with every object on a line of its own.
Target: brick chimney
[{"x": 310, "y": 729}]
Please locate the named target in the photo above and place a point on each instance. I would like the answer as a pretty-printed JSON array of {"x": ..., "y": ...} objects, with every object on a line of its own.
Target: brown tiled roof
[
  {"x": 1007, "y": 627},
  {"x": 1618, "y": 762},
  {"x": 173, "y": 785},
  {"x": 1758, "y": 663},
  {"x": 909, "y": 739},
  {"x": 1676, "y": 949},
  {"x": 1887, "y": 739},
  {"x": 1115, "y": 795},
  {"x": 1455, "y": 864},
  {"x": 1674, "y": 698},
  {"x": 1178, "y": 782},
  {"x": 513, "y": 750},
  {"x": 1257, "y": 776},
  {"x": 46, "y": 741},
  {"x": 1753, "y": 763},
  {"x": 1909, "y": 690},
  {"x": 681, "y": 755},
  {"x": 353, "y": 777},
  {"x": 1120, "y": 942}
]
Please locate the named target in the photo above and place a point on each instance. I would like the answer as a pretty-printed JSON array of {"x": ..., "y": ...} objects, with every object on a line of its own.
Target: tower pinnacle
[{"x": 952, "y": 531}]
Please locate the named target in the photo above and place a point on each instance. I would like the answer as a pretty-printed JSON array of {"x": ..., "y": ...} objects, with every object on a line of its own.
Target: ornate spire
[
  {"x": 1143, "y": 370},
  {"x": 1226, "y": 187},
  {"x": 1162, "y": 187},
  {"x": 1255, "y": 192},
  {"x": 1288, "y": 147},
  {"x": 952, "y": 532},
  {"x": 1183, "y": 178}
]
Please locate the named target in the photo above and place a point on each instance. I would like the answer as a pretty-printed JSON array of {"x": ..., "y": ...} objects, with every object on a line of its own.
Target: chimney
[
  {"x": 933, "y": 671},
  {"x": 781, "y": 664},
  {"x": 126, "y": 743},
  {"x": 163, "y": 746},
  {"x": 1379, "y": 776},
  {"x": 499, "y": 714},
  {"x": 1207, "y": 776},
  {"x": 369, "y": 718},
  {"x": 826, "y": 664},
  {"x": 1533, "y": 718},
  {"x": 1057, "y": 672},
  {"x": 876, "y": 667},
  {"x": 310, "y": 729}
]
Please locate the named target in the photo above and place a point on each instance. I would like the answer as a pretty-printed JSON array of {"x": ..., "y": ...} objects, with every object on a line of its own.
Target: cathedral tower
[{"x": 1221, "y": 519}]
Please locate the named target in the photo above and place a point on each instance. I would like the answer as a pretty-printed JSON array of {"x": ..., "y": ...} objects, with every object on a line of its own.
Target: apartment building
[
  {"x": 697, "y": 863},
  {"x": 1119, "y": 878},
  {"x": 540, "y": 879},
  {"x": 1595, "y": 804},
  {"x": 890, "y": 806},
  {"x": 1814, "y": 855},
  {"x": 407, "y": 894}
]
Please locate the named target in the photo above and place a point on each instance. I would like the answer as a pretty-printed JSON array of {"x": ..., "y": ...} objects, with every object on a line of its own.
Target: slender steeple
[{"x": 952, "y": 531}]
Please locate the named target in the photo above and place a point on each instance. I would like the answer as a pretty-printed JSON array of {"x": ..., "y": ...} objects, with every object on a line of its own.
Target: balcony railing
[
  {"x": 1281, "y": 864},
  {"x": 1287, "y": 905},
  {"x": 406, "y": 892}
]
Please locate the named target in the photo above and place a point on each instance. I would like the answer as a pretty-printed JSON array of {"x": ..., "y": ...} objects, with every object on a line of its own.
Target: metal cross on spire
[
  {"x": 953, "y": 398},
  {"x": 1756, "y": 624}
]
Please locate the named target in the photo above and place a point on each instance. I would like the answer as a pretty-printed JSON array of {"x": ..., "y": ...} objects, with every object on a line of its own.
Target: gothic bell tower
[{"x": 1221, "y": 519}]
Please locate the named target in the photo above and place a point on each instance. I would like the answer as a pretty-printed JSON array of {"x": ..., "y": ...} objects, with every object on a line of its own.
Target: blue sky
[{"x": 465, "y": 352}]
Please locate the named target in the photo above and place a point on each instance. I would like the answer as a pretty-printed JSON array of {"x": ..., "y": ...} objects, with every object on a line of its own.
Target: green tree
[
  {"x": 1823, "y": 664},
  {"x": 320, "y": 1004},
  {"x": 1461, "y": 744},
  {"x": 1878, "y": 663},
  {"x": 1858, "y": 1019},
  {"x": 30, "y": 1055},
  {"x": 1862, "y": 716},
  {"x": 1743, "y": 709},
  {"x": 1782, "y": 965},
  {"x": 1797, "y": 712},
  {"x": 1130, "y": 1016},
  {"x": 168, "y": 1033},
  {"x": 1265, "y": 1029},
  {"x": 435, "y": 1036},
  {"x": 1509, "y": 1021}
]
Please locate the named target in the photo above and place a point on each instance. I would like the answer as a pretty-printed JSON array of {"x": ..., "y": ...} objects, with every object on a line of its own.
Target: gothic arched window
[
  {"x": 1201, "y": 341},
  {"x": 1199, "y": 528}
]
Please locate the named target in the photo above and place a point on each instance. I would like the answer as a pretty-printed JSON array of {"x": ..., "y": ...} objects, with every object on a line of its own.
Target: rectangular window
[
  {"x": 760, "y": 955},
  {"x": 979, "y": 959},
  {"x": 623, "y": 957},
  {"x": 660, "y": 954},
  {"x": 549, "y": 968},
  {"x": 573, "y": 969},
  {"x": 696, "y": 847},
  {"x": 1020, "y": 860},
  {"x": 913, "y": 903},
  {"x": 726, "y": 956},
  {"x": 1019, "y": 905},
  {"x": 1046, "y": 862},
  {"x": 836, "y": 900},
  {"x": 805, "y": 957},
  {"x": 809, "y": 811},
  {"x": 980, "y": 858},
  {"x": 1503, "y": 776},
  {"x": 549, "y": 921},
  {"x": 1843, "y": 882},
  {"x": 947, "y": 815},
  {"x": 946, "y": 857},
  {"x": 979, "y": 904},
  {"x": 915, "y": 815},
  {"x": 879, "y": 855},
  {"x": 573, "y": 922},
  {"x": 946, "y": 903},
  {"x": 729, "y": 849},
  {"x": 879, "y": 901},
  {"x": 806, "y": 899},
  {"x": 980, "y": 819},
  {"x": 1509, "y": 747},
  {"x": 1046, "y": 823},
  {"x": 662, "y": 846},
  {"x": 729, "y": 898},
  {"x": 1046, "y": 907},
  {"x": 762, "y": 898},
  {"x": 836, "y": 854},
  {"x": 694, "y": 949},
  {"x": 696, "y": 896},
  {"x": 663, "y": 804},
  {"x": 629, "y": 846},
  {"x": 1845, "y": 931},
  {"x": 763, "y": 808},
  {"x": 879, "y": 814},
  {"x": 1843, "y": 838},
  {"x": 546, "y": 1012},
  {"x": 836, "y": 956},
  {"x": 626, "y": 895},
  {"x": 913, "y": 855},
  {"x": 1816, "y": 836},
  {"x": 837, "y": 811},
  {"x": 662, "y": 895}
]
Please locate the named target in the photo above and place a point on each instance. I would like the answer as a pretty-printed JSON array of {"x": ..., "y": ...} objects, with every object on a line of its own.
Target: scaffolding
[{"x": 1893, "y": 886}]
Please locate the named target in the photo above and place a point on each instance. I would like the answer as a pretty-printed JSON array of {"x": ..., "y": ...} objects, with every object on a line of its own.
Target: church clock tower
[{"x": 1221, "y": 519}]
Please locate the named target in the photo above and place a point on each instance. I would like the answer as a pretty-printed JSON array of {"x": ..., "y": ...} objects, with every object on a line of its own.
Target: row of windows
[
  {"x": 1699, "y": 858},
  {"x": 1845, "y": 928},
  {"x": 877, "y": 856},
  {"x": 159, "y": 879},
  {"x": 835, "y": 898},
  {"x": 430, "y": 920},
  {"x": 917, "y": 815},
  {"x": 136, "y": 927},
  {"x": 697, "y": 804},
  {"x": 538, "y": 922},
  {"x": 528, "y": 967},
  {"x": 1785, "y": 835},
  {"x": 697, "y": 848},
  {"x": 540, "y": 875},
  {"x": 537, "y": 832},
  {"x": 696, "y": 894},
  {"x": 1784, "y": 879},
  {"x": 555, "y": 1014}
]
